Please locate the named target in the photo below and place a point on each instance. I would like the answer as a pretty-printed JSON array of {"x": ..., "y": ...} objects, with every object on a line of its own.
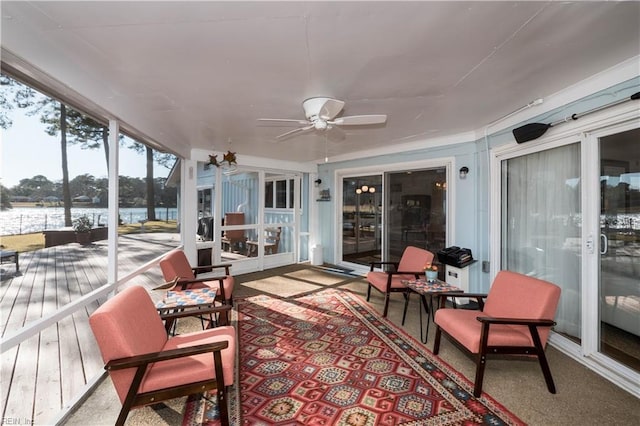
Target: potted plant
[
  {"x": 431, "y": 272},
  {"x": 82, "y": 227}
]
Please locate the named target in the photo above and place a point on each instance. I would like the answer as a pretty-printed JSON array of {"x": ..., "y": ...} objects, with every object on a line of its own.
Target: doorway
[{"x": 384, "y": 213}]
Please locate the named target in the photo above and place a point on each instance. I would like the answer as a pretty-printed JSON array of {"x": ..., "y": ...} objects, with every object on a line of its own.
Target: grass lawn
[{"x": 35, "y": 241}]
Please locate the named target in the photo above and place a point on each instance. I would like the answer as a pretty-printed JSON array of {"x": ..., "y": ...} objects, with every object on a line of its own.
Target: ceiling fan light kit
[{"x": 321, "y": 113}]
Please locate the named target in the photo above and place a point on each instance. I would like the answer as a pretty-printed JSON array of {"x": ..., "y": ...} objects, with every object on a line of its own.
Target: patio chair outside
[{"x": 516, "y": 319}]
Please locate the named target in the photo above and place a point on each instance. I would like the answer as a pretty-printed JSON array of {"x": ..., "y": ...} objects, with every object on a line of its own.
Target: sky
[{"x": 27, "y": 151}]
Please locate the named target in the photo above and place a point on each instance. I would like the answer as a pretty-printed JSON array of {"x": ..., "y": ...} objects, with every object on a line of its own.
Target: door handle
[{"x": 604, "y": 244}]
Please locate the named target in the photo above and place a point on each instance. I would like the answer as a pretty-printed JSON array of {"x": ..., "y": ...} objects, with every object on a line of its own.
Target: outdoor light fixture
[
  {"x": 317, "y": 182},
  {"x": 463, "y": 172}
]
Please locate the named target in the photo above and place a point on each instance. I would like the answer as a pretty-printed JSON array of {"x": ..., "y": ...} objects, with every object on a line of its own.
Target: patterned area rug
[{"x": 330, "y": 359}]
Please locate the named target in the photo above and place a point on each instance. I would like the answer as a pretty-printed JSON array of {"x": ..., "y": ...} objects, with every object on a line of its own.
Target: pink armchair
[
  {"x": 410, "y": 267},
  {"x": 176, "y": 265},
  {"x": 146, "y": 366},
  {"x": 516, "y": 319}
]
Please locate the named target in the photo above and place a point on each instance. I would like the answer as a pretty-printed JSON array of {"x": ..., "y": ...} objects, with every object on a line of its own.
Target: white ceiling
[{"x": 198, "y": 74}]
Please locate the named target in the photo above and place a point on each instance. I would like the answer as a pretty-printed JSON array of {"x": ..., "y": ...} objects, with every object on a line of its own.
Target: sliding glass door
[
  {"x": 570, "y": 214},
  {"x": 384, "y": 213},
  {"x": 541, "y": 226}
]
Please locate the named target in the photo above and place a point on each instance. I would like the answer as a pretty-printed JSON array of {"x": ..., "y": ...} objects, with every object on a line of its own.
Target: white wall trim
[{"x": 260, "y": 163}]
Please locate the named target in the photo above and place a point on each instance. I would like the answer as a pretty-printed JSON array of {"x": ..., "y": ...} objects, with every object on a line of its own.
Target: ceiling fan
[{"x": 321, "y": 115}]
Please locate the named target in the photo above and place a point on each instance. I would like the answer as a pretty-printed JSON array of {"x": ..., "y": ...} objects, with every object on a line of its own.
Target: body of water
[{"x": 25, "y": 220}]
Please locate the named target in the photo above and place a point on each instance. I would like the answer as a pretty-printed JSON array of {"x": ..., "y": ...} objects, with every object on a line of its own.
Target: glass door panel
[
  {"x": 361, "y": 219},
  {"x": 239, "y": 211},
  {"x": 416, "y": 211},
  {"x": 541, "y": 225},
  {"x": 620, "y": 247}
]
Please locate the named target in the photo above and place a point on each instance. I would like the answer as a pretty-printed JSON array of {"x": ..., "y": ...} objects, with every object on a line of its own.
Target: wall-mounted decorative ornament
[{"x": 228, "y": 164}]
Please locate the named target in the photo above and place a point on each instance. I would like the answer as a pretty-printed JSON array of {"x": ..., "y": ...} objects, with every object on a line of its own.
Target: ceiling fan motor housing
[{"x": 321, "y": 107}]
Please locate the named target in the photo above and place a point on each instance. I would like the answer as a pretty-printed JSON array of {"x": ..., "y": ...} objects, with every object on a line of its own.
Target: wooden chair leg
[
  {"x": 544, "y": 365},
  {"x": 221, "y": 394},
  {"x": 436, "y": 340},
  {"x": 386, "y": 305},
  {"x": 481, "y": 360},
  {"x": 480, "y": 364}
]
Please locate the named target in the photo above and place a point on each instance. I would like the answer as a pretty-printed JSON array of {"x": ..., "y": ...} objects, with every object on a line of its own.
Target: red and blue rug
[{"x": 330, "y": 359}]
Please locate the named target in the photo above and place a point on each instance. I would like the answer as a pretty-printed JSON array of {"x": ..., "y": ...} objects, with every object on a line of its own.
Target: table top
[
  {"x": 422, "y": 286},
  {"x": 194, "y": 297}
]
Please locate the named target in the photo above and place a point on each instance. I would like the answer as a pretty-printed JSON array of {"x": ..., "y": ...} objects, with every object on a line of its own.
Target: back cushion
[
  {"x": 413, "y": 259},
  {"x": 515, "y": 295},
  {"x": 126, "y": 325},
  {"x": 175, "y": 264}
]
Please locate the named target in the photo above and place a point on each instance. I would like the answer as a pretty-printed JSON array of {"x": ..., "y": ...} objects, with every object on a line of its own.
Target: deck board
[{"x": 47, "y": 371}]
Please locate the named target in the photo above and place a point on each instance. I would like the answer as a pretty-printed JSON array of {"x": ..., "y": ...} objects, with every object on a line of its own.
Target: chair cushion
[
  {"x": 413, "y": 259},
  {"x": 509, "y": 292},
  {"x": 228, "y": 284},
  {"x": 379, "y": 280},
  {"x": 195, "y": 368},
  {"x": 175, "y": 264},
  {"x": 463, "y": 326},
  {"x": 127, "y": 325}
]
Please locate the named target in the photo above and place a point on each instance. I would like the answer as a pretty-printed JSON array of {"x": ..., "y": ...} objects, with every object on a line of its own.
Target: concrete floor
[{"x": 582, "y": 398}]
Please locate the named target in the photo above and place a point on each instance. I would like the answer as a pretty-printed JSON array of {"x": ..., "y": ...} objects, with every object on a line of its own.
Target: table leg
[
  {"x": 427, "y": 310},
  {"x": 406, "y": 304}
]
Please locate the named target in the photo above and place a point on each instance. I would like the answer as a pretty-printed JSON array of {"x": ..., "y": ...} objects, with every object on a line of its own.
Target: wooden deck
[{"x": 48, "y": 371}]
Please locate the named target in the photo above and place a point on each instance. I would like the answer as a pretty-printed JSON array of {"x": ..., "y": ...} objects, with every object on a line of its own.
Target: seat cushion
[
  {"x": 462, "y": 325},
  {"x": 379, "y": 280},
  {"x": 186, "y": 370},
  {"x": 228, "y": 284}
]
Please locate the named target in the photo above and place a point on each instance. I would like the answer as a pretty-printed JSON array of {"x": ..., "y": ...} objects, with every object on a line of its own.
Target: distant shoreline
[{"x": 28, "y": 218}]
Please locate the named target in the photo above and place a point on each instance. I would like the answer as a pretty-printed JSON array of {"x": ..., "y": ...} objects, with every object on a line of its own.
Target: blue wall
[{"x": 473, "y": 193}]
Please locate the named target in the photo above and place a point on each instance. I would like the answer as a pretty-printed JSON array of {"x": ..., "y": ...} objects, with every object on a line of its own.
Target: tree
[
  {"x": 5, "y": 194},
  {"x": 37, "y": 187},
  {"x": 12, "y": 94},
  {"x": 151, "y": 196}
]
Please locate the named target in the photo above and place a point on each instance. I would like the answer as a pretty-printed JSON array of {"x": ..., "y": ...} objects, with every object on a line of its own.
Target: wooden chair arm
[
  {"x": 374, "y": 264},
  {"x": 141, "y": 360},
  {"x": 184, "y": 284},
  {"x": 167, "y": 285},
  {"x": 207, "y": 268},
  {"x": 406, "y": 273},
  {"x": 517, "y": 321}
]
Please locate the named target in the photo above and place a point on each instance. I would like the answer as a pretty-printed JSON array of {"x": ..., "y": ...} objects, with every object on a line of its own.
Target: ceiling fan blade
[
  {"x": 335, "y": 133},
  {"x": 283, "y": 121},
  {"x": 357, "y": 120},
  {"x": 330, "y": 109},
  {"x": 294, "y": 131}
]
